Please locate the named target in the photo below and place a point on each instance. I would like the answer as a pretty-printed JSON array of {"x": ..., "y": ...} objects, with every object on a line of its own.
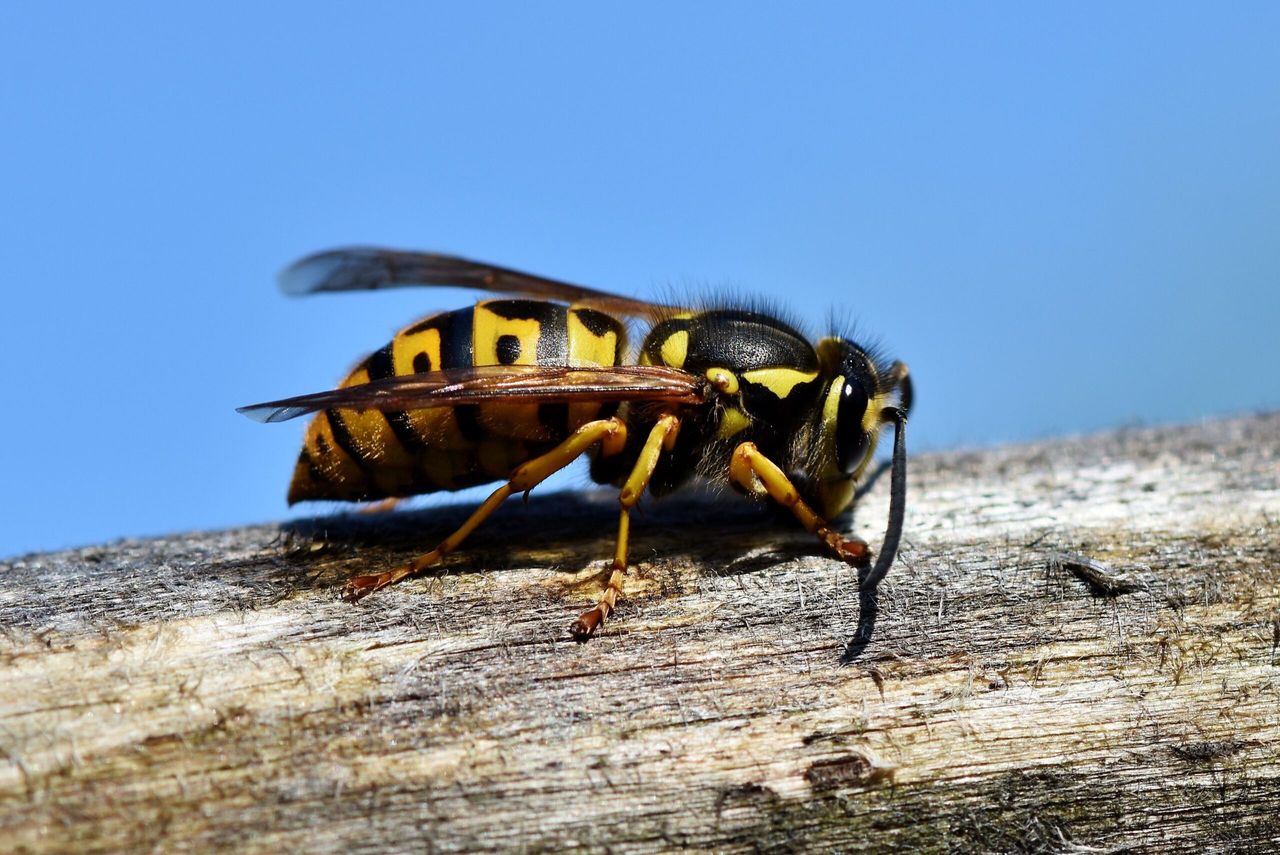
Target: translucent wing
[
  {"x": 369, "y": 268},
  {"x": 516, "y": 383}
]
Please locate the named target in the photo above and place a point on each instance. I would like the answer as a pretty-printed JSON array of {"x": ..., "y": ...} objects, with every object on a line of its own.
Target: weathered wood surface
[{"x": 208, "y": 690}]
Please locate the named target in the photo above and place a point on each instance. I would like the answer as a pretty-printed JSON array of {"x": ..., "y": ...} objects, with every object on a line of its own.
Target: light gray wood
[{"x": 208, "y": 690}]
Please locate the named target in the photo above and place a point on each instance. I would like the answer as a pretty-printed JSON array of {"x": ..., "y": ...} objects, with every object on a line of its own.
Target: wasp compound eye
[{"x": 851, "y": 438}]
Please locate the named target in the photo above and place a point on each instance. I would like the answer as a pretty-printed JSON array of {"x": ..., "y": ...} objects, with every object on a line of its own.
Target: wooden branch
[{"x": 209, "y": 691}]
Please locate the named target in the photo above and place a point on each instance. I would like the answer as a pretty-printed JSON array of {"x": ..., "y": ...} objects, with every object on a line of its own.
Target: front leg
[{"x": 757, "y": 474}]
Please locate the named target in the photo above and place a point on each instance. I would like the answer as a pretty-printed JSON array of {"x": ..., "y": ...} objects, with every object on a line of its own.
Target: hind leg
[{"x": 610, "y": 433}]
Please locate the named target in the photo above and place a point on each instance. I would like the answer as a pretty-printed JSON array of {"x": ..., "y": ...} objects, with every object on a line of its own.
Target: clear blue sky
[{"x": 1065, "y": 219}]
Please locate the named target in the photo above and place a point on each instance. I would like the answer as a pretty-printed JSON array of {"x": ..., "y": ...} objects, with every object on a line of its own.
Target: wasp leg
[
  {"x": 610, "y": 433},
  {"x": 381, "y": 506},
  {"x": 661, "y": 438},
  {"x": 758, "y": 475}
]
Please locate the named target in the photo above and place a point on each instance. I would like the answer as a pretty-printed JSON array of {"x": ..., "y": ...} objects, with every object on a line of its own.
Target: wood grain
[{"x": 208, "y": 690}]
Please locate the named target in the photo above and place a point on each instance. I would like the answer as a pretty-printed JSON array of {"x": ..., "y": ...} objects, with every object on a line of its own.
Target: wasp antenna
[
  {"x": 897, "y": 496},
  {"x": 900, "y": 379}
]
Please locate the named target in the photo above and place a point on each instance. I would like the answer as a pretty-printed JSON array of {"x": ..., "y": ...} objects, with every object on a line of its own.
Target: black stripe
[
  {"x": 553, "y": 336},
  {"x": 456, "y": 351},
  {"x": 455, "y": 338},
  {"x": 468, "y": 418},
  {"x": 405, "y": 432},
  {"x": 598, "y": 323},
  {"x": 658, "y": 336},
  {"x": 525, "y": 310},
  {"x": 342, "y": 436},
  {"x": 313, "y": 471},
  {"x": 380, "y": 364},
  {"x": 555, "y": 418},
  {"x": 431, "y": 323}
]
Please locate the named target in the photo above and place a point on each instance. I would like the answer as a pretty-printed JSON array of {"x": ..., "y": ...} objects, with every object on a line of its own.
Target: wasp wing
[
  {"x": 371, "y": 268},
  {"x": 512, "y": 383}
]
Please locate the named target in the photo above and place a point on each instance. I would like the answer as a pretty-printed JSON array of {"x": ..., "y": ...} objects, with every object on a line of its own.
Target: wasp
[{"x": 517, "y": 388}]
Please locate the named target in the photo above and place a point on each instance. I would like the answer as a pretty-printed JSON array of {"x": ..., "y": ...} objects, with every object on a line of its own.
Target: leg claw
[
  {"x": 586, "y": 625},
  {"x": 359, "y": 587}
]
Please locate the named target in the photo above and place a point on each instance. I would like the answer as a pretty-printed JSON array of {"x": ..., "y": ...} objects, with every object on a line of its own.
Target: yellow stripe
[
  {"x": 488, "y": 327},
  {"x": 405, "y": 349},
  {"x": 587, "y": 348},
  {"x": 377, "y": 442},
  {"x": 336, "y": 464},
  {"x": 506, "y": 421},
  {"x": 675, "y": 349},
  {"x": 779, "y": 381}
]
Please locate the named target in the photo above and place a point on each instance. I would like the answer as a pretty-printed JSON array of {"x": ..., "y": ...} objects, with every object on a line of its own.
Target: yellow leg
[
  {"x": 752, "y": 471},
  {"x": 661, "y": 438},
  {"x": 610, "y": 433},
  {"x": 382, "y": 506}
]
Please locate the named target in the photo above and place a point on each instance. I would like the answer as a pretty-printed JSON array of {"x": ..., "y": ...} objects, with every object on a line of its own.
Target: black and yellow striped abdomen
[{"x": 365, "y": 455}]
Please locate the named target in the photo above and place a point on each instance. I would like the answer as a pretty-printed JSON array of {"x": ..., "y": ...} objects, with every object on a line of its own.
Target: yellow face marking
[
  {"x": 831, "y": 406},
  {"x": 871, "y": 418},
  {"x": 870, "y": 424},
  {"x": 732, "y": 422},
  {"x": 723, "y": 379},
  {"x": 675, "y": 349},
  {"x": 779, "y": 381}
]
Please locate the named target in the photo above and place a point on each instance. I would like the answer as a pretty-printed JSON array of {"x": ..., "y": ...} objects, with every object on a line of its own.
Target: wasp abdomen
[{"x": 365, "y": 455}]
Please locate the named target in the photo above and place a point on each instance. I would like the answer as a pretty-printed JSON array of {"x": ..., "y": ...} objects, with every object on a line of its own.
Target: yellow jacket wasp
[{"x": 515, "y": 389}]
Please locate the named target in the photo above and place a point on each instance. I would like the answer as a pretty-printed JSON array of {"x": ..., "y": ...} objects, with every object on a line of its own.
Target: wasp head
[{"x": 859, "y": 387}]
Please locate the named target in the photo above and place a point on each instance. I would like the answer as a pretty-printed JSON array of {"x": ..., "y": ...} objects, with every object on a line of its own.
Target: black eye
[{"x": 851, "y": 439}]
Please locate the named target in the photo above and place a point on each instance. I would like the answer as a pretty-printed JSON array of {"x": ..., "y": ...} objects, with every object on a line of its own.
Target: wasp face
[{"x": 849, "y": 421}]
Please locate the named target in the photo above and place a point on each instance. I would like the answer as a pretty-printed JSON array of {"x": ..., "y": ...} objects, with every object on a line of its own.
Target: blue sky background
[{"x": 1064, "y": 218}]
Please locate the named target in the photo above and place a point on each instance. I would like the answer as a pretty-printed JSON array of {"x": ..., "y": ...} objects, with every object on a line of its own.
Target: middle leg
[
  {"x": 610, "y": 433},
  {"x": 662, "y": 437}
]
